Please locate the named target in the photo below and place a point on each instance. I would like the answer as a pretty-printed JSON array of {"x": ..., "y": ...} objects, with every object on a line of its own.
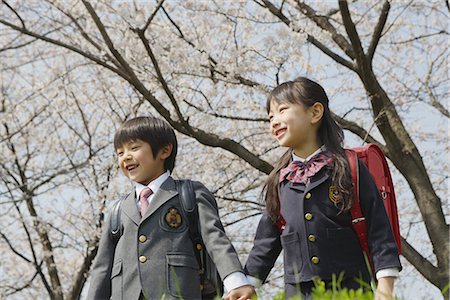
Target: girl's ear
[{"x": 317, "y": 112}]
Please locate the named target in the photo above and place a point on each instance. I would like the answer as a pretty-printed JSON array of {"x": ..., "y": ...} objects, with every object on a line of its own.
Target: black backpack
[{"x": 211, "y": 284}]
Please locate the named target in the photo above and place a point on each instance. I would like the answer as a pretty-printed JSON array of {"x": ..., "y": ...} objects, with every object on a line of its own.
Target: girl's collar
[{"x": 295, "y": 157}]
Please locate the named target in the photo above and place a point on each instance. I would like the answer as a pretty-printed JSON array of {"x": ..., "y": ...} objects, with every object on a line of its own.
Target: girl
[{"x": 309, "y": 193}]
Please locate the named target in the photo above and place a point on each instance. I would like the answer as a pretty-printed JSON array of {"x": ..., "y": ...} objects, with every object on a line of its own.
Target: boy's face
[{"x": 136, "y": 161}]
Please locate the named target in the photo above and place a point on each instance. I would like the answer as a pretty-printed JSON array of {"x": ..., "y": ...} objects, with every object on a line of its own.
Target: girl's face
[{"x": 293, "y": 125}]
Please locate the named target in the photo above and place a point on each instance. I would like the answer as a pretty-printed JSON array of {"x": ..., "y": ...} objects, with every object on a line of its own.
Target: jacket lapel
[
  {"x": 296, "y": 186},
  {"x": 129, "y": 207},
  {"x": 316, "y": 180},
  {"x": 166, "y": 192}
]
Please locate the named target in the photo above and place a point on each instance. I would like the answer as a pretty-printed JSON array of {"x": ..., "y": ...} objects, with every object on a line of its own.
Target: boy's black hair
[{"x": 156, "y": 132}]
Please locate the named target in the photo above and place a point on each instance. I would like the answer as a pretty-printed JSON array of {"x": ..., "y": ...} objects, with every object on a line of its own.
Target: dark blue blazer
[{"x": 318, "y": 241}]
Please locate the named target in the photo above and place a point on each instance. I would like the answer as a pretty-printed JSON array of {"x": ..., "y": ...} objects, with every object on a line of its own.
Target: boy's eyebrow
[
  {"x": 129, "y": 142},
  {"x": 134, "y": 142}
]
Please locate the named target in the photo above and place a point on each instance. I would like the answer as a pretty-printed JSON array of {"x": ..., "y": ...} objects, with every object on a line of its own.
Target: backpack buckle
[
  {"x": 383, "y": 192},
  {"x": 357, "y": 220}
]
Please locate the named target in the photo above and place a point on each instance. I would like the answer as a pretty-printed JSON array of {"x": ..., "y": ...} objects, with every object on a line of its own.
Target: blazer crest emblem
[
  {"x": 173, "y": 218},
  {"x": 333, "y": 194}
]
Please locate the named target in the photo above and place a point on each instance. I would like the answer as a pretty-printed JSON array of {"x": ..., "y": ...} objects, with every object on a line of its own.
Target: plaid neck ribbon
[{"x": 301, "y": 172}]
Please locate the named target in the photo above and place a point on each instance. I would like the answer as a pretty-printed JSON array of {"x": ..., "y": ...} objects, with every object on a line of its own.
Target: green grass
[{"x": 320, "y": 292}]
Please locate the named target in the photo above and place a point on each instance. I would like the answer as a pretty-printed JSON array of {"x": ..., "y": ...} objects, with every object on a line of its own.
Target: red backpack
[{"x": 373, "y": 157}]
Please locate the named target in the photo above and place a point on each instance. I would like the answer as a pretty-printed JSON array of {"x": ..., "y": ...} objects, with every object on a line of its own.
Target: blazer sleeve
[
  {"x": 265, "y": 251},
  {"x": 381, "y": 240},
  {"x": 219, "y": 247},
  {"x": 100, "y": 282}
]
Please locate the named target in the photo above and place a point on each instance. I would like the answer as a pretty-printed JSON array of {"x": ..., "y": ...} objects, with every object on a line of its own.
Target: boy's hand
[{"x": 245, "y": 292}]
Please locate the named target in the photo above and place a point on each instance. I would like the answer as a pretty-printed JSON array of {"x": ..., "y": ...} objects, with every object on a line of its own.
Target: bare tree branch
[
  {"x": 16, "y": 13},
  {"x": 64, "y": 45},
  {"x": 428, "y": 86},
  {"x": 423, "y": 36},
  {"x": 420, "y": 263},
  {"x": 235, "y": 118},
  {"x": 149, "y": 20},
  {"x": 323, "y": 23},
  {"x": 127, "y": 69},
  {"x": 212, "y": 66},
  {"x": 359, "y": 131},
  {"x": 337, "y": 58},
  {"x": 352, "y": 33},
  {"x": 378, "y": 30},
  {"x": 161, "y": 79},
  {"x": 307, "y": 10},
  {"x": 26, "y": 124}
]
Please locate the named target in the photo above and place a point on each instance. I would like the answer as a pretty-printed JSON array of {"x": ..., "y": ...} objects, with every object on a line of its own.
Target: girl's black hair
[
  {"x": 156, "y": 132},
  {"x": 307, "y": 92}
]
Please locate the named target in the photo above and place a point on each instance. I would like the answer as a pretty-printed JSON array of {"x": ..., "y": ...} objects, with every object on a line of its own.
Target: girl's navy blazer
[{"x": 318, "y": 241}]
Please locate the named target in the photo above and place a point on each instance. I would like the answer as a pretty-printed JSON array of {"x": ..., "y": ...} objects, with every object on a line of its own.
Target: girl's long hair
[{"x": 307, "y": 92}]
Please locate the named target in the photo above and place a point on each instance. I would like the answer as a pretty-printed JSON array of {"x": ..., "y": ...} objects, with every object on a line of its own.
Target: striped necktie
[{"x": 143, "y": 199}]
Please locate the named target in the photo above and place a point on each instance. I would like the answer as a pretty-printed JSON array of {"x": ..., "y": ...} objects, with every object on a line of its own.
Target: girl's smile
[
  {"x": 292, "y": 126},
  {"x": 279, "y": 132}
]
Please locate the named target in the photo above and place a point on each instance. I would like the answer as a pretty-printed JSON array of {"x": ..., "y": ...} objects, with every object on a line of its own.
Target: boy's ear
[
  {"x": 166, "y": 151},
  {"x": 316, "y": 112}
]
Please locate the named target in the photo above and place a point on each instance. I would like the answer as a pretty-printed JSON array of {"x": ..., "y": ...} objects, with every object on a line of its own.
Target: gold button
[
  {"x": 308, "y": 216},
  {"x": 142, "y": 238},
  {"x": 312, "y": 238},
  {"x": 315, "y": 260},
  {"x": 142, "y": 259},
  {"x": 308, "y": 195}
]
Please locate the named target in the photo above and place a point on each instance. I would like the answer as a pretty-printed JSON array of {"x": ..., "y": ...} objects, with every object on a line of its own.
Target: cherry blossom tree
[{"x": 72, "y": 72}]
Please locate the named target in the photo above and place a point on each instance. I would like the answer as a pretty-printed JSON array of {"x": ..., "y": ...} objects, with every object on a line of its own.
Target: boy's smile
[
  {"x": 136, "y": 161},
  {"x": 131, "y": 167}
]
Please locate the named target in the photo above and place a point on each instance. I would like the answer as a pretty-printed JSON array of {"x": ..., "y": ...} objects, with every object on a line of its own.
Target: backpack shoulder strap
[
  {"x": 115, "y": 222},
  {"x": 189, "y": 206},
  {"x": 356, "y": 213},
  {"x": 358, "y": 220},
  {"x": 190, "y": 209}
]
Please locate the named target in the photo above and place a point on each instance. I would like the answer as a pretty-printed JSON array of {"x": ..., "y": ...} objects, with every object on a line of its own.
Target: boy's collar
[
  {"x": 154, "y": 185},
  {"x": 295, "y": 157}
]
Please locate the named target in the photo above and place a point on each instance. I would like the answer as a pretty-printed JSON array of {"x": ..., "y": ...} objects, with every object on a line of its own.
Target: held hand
[
  {"x": 245, "y": 292},
  {"x": 385, "y": 288}
]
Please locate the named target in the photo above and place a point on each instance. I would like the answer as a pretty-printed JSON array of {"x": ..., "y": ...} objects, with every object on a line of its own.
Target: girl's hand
[
  {"x": 245, "y": 292},
  {"x": 385, "y": 288}
]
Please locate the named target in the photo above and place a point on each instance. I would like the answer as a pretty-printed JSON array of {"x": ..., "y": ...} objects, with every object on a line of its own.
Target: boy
[{"x": 154, "y": 257}]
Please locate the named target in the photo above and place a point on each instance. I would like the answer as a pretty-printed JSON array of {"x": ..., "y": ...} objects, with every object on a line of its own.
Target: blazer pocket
[
  {"x": 292, "y": 254},
  {"x": 182, "y": 275},
  {"x": 117, "y": 281}
]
